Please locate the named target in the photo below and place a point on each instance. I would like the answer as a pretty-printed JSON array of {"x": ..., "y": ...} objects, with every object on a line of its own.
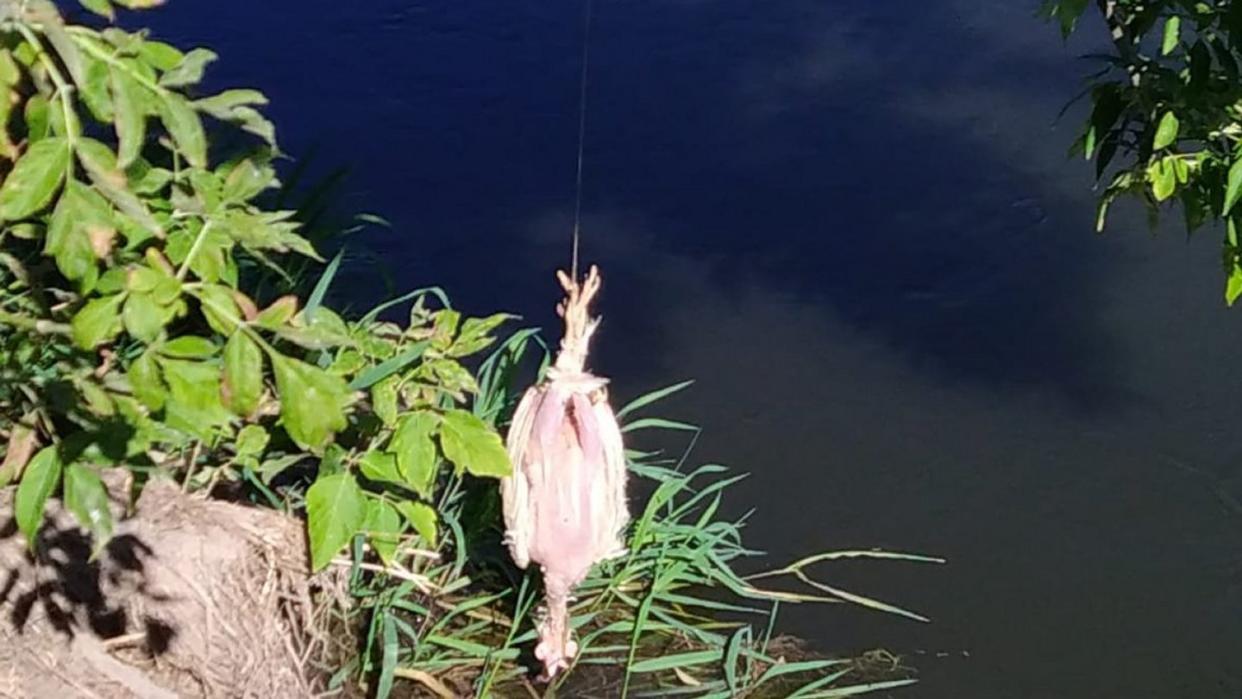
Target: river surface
[{"x": 854, "y": 223}]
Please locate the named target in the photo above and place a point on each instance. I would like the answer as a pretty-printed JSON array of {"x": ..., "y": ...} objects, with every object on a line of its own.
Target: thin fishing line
[{"x": 582, "y": 114}]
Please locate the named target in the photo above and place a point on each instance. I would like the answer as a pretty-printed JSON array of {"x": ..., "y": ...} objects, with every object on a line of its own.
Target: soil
[{"x": 190, "y": 598}]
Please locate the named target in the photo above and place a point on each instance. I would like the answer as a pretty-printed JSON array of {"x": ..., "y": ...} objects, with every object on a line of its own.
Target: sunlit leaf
[
  {"x": 103, "y": 8},
  {"x": 473, "y": 446},
  {"x": 383, "y": 527},
  {"x": 1172, "y": 35},
  {"x": 312, "y": 401},
  {"x": 157, "y": 53},
  {"x": 219, "y": 307},
  {"x": 95, "y": 91},
  {"x": 243, "y": 374},
  {"x": 188, "y": 347},
  {"x": 1233, "y": 188},
  {"x": 384, "y": 399},
  {"x": 193, "y": 403},
  {"x": 380, "y": 466},
  {"x": 185, "y": 127},
  {"x": 251, "y": 441},
  {"x": 415, "y": 451},
  {"x": 1233, "y": 288},
  {"x": 87, "y": 499},
  {"x": 1166, "y": 131},
  {"x": 335, "y": 511},
  {"x": 189, "y": 71},
  {"x": 144, "y": 379},
  {"x": 279, "y": 313},
  {"x": 98, "y": 321},
  {"x": 34, "y": 179},
  {"x": 422, "y": 517},
  {"x": 38, "y": 482},
  {"x": 143, "y": 317}
]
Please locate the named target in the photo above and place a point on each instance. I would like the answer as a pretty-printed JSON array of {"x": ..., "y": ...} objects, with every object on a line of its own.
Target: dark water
[{"x": 855, "y": 224}]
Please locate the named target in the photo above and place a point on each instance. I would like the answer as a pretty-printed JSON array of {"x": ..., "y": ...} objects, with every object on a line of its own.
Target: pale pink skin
[
  {"x": 564, "y": 505},
  {"x": 566, "y": 438}
]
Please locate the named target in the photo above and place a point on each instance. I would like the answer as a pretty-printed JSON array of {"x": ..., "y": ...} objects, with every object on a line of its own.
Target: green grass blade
[
  {"x": 649, "y": 398},
  {"x": 388, "y": 367},
  {"x": 321, "y": 286}
]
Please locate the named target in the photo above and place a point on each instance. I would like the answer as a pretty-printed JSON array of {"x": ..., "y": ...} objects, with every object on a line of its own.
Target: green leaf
[
  {"x": 415, "y": 451},
  {"x": 144, "y": 379},
  {"x": 129, "y": 106},
  {"x": 422, "y": 517},
  {"x": 38, "y": 482},
  {"x": 144, "y": 318},
  {"x": 101, "y": 164},
  {"x": 95, "y": 91},
  {"x": 103, "y": 8},
  {"x": 325, "y": 331},
  {"x": 79, "y": 211},
  {"x": 1172, "y": 34},
  {"x": 219, "y": 308},
  {"x": 99, "y": 321},
  {"x": 380, "y": 466},
  {"x": 475, "y": 334},
  {"x": 335, "y": 511},
  {"x": 1234, "y": 188},
  {"x": 453, "y": 377},
  {"x": 383, "y": 527},
  {"x": 185, "y": 128},
  {"x": 193, "y": 404},
  {"x": 157, "y": 53},
  {"x": 247, "y": 179},
  {"x": 1163, "y": 179},
  {"x": 34, "y": 179},
  {"x": 87, "y": 499},
  {"x": 38, "y": 121},
  {"x": 347, "y": 362},
  {"x": 251, "y": 441},
  {"x": 223, "y": 105},
  {"x": 384, "y": 399},
  {"x": 277, "y": 314},
  {"x": 472, "y": 446},
  {"x": 1233, "y": 288},
  {"x": 190, "y": 70},
  {"x": 312, "y": 401},
  {"x": 1166, "y": 132},
  {"x": 446, "y": 321},
  {"x": 243, "y": 374},
  {"x": 10, "y": 74},
  {"x": 188, "y": 347}
]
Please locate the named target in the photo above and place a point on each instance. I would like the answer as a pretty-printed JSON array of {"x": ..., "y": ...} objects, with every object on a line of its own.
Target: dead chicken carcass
[{"x": 565, "y": 505}]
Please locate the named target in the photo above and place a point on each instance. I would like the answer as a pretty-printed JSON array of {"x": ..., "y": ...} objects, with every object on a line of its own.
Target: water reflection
[{"x": 855, "y": 224}]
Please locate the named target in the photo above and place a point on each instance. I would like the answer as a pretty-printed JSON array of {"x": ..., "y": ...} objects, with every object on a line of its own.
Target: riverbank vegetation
[{"x": 151, "y": 321}]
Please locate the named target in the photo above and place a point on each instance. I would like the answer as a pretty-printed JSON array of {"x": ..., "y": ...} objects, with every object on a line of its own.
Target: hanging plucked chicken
[{"x": 565, "y": 504}]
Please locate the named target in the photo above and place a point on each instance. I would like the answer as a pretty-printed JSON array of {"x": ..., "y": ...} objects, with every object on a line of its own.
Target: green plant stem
[
  {"x": 189, "y": 258},
  {"x": 38, "y": 325},
  {"x": 87, "y": 41},
  {"x": 237, "y": 322},
  {"x": 64, "y": 89}
]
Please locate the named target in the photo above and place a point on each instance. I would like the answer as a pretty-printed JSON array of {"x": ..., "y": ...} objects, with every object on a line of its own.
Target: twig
[
  {"x": 39, "y": 325},
  {"x": 423, "y": 583},
  {"x": 189, "y": 470},
  {"x": 436, "y": 686},
  {"x": 128, "y": 639}
]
